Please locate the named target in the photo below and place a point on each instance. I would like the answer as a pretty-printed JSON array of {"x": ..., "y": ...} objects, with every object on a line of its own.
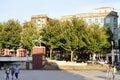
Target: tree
[
  {"x": 1, "y": 35},
  {"x": 97, "y": 38},
  {"x": 11, "y": 34},
  {"x": 51, "y": 34},
  {"x": 73, "y": 35},
  {"x": 29, "y": 33}
]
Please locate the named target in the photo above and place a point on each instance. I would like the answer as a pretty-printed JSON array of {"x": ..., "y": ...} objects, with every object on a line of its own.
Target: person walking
[
  {"x": 109, "y": 74},
  {"x": 16, "y": 71},
  {"x": 113, "y": 72},
  {"x": 12, "y": 71},
  {"x": 109, "y": 71},
  {"x": 7, "y": 71}
]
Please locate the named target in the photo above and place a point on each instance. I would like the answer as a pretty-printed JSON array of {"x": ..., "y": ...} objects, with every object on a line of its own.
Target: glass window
[
  {"x": 115, "y": 20},
  {"x": 38, "y": 22},
  {"x": 89, "y": 21},
  {"x": 107, "y": 20},
  {"x": 96, "y": 20}
]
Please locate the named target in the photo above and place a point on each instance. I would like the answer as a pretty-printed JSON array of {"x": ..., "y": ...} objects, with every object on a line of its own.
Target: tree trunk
[
  {"x": 72, "y": 56},
  {"x": 93, "y": 57},
  {"x": 50, "y": 54}
]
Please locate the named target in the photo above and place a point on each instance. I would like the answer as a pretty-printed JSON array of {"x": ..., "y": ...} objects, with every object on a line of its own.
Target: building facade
[
  {"x": 39, "y": 20},
  {"x": 104, "y": 16}
]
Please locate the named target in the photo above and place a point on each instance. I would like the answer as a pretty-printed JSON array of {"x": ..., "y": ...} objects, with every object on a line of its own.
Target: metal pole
[{"x": 112, "y": 53}]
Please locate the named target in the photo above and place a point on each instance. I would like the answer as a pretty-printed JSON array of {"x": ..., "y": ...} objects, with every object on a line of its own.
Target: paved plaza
[{"x": 60, "y": 75}]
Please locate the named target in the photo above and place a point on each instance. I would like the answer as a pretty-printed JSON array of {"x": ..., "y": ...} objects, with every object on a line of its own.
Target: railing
[{"x": 15, "y": 58}]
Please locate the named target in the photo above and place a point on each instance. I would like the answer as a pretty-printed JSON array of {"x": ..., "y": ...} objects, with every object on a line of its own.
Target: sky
[{"x": 22, "y": 10}]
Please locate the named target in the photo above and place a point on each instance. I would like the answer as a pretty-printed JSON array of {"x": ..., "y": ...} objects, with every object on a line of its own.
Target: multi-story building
[
  {"x": 104, "y": 16},
  {"x": 39, "y": 20}
]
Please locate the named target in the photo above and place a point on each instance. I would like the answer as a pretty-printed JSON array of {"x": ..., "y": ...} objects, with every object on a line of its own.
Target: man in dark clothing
[{"x": 12, "y": 71}]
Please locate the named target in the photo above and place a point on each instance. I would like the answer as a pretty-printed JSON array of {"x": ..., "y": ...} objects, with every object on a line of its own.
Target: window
[
  {"x": 107, "y": 20},
  {"x": 115, "y": 20},
  {"x": 38, "y": 22},
  {"x": 89, "y": 21},
  {"x": 96, "y": 20}
]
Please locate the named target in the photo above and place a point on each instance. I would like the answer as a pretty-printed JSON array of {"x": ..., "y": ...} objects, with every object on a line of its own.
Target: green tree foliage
[
  {"x": 10, "y": 32},
  {"x": 29, "y": 33},
  {"x": 50, "y": 35},
  {"x": 97, "y": 38},
  {"x": 73, "y": 35},
  {"x": 1, "y": 35}
]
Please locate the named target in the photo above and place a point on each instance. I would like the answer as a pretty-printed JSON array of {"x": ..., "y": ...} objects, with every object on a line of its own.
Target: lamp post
[{"x": 112, "y": 53}]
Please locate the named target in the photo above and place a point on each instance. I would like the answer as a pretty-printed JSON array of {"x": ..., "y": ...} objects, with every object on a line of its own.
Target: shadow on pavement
[{"x": 101, "y": 77}]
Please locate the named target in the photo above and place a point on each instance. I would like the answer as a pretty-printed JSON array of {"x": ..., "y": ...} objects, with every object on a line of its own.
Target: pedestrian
[
  {"x": 7, "y": 71},
  {"x": 107, "y": 67},
  {"x": 12, "y": 71},
  {"x": 109, "y": 72},
  {"x": 17, "y": 71},
  {"x": 113, "y": 72}
]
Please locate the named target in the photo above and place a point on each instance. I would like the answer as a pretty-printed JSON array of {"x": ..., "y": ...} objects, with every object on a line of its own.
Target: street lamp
[{"x": 112, "y": 53}]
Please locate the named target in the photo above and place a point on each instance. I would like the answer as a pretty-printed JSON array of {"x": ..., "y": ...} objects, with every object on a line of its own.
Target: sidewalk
[{"x": 60, "y": 75}]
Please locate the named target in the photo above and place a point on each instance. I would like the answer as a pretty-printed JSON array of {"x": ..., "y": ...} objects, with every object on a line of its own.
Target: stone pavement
[{"x": 60, "y": 75}]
